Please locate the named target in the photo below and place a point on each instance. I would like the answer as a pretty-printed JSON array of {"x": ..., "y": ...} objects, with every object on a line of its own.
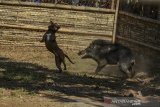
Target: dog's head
[{"x": 53, "y": 26}]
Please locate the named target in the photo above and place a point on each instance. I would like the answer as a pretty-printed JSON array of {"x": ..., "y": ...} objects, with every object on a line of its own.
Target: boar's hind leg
[
  {"x": 132, "y": 71},
  {"x": 126, "y": 70}
]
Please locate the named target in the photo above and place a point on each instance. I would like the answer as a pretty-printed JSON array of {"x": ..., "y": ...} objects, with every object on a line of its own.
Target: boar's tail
[{"x": 68, "y": 58}]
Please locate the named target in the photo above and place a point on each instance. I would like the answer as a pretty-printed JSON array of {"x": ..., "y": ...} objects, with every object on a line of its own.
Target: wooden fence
[
  {"x": 23, "y": 24},
  {"x": 139, "y": 27},
  {"x": 139, "y": 30}
]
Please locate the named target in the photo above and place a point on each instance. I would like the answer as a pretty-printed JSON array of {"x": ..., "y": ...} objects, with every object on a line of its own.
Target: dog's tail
[{"x": 68, "y": 58}]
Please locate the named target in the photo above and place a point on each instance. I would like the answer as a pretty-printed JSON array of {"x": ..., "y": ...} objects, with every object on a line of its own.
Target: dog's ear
[{"x": 51, "y": 22}]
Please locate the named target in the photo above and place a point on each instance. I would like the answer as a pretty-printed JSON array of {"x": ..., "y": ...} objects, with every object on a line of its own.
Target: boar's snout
[{"x": 82, "y": 54}]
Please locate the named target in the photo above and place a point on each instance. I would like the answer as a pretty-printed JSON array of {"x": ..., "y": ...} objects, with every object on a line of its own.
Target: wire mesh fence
[
  {"x": 149, "y": 9},
  {"x": 89, "y": 3}
]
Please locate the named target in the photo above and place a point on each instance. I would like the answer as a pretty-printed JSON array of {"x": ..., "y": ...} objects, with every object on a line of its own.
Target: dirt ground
[{"x": 28, "y": 77}]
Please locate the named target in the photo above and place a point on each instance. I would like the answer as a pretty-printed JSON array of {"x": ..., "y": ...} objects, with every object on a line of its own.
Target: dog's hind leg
[
  {"x": 58, "y": 63},
  {"x": 65, "y": 68}
]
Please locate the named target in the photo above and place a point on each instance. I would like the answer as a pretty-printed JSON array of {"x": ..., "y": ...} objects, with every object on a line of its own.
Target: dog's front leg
[{"x": 43, "y": 38}]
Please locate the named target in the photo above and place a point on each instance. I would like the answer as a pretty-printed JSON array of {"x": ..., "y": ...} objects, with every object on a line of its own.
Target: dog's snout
[
  {"x": 79, "y": 53},
  {"x": 58, "y": 27}
]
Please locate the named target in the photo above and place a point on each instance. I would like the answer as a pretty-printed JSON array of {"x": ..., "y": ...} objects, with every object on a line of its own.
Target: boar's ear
[
  {"x": 96, "y": 46},
  {"x": 105, "y": 50},
  {"x": 109, "y": 49}
]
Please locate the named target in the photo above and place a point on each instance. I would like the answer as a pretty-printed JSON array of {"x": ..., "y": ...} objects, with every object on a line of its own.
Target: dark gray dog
[
  {"x": 51, "y": 44},
  {"x": 104, "y": 52}
]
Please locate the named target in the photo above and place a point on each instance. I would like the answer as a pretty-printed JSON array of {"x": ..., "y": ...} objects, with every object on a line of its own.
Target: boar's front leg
[
  {"x": 101, "y": 64},
  {"x": 98, "y": 68}
]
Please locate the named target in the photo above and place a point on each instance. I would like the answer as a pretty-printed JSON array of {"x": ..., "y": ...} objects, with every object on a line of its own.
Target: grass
[{"x": 30, "y": 72}]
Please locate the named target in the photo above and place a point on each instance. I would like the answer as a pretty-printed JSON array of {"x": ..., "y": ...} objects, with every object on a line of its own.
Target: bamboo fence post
[
  {"x": 115, "y": 22},
  {"x": 112, "y": 5}
]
